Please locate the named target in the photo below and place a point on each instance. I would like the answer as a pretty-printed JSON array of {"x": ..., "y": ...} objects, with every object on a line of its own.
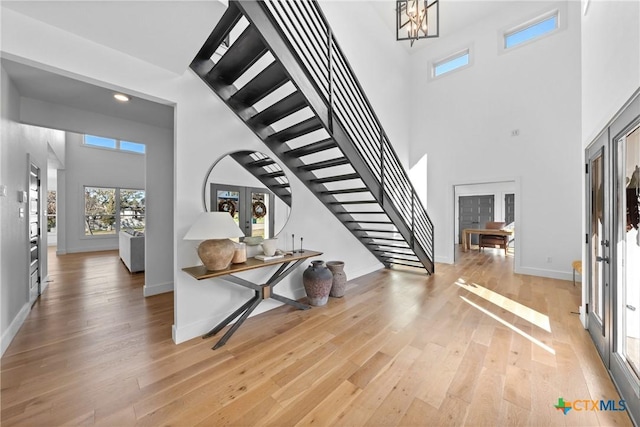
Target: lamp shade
[{"x": 213, "y": 225}]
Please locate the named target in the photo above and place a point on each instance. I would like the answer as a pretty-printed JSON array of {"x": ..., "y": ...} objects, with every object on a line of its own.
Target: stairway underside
[{"x": 266, "y": 86}]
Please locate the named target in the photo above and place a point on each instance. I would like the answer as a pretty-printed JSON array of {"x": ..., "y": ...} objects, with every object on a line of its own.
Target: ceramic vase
[
  {"x": 317, "y": 279},
  {"x": 269, "y": 246},
  {"x": 339, "y": 283}
]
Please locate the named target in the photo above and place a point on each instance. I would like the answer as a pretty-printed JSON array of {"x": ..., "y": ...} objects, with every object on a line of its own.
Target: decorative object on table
[
  {"x": 258, "y": 209},
  {"x": 263, "y": 257},
  {"x": 227, "y": 206},
  {"x": 269, "y": 246},
  {"x": 253, "y": 240},
  {"x": 301, "y": 250},
  {"x": 317, "y": 280},
  {"x": 215, "y": 228},
  {"x": 339, "y": 283},
  {"x": 240, "y": 253},
  {"x": 293, "y": 243}
]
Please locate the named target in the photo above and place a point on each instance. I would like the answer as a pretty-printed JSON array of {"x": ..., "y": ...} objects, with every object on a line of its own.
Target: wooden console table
[
  {"x": 262, "y": 291},
  {"x": 467, "y": 232}
]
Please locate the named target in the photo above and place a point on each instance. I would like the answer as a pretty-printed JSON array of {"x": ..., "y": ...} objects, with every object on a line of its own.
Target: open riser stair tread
[
  {"x": 239, "y": 57},
  {"x": 270, "y": 79},
  {"x": 288, "y": 105},
  {"x": 285, "y": 107}
]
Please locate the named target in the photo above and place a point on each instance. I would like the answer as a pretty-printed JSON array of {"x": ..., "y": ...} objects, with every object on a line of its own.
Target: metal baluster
[
  {"x": 413, "y": 202},
  {"x": 381, "y": 168},
  {"x": 330, "y": 74}
]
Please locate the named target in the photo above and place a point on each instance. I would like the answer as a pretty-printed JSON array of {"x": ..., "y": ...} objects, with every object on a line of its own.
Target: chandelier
[{"x": 416, "y": 19}]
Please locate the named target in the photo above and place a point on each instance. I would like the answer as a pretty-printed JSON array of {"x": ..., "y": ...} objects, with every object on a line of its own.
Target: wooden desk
[
  {"x": 262, "y": 291},
  {"x": 467, "y": 232}
]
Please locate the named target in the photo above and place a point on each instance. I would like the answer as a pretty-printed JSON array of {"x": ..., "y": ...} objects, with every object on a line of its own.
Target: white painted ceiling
[
  {"x": 167, "y": 34},
  {"x": 49, "y": 87},
  {"x": 164, "y": 33}
]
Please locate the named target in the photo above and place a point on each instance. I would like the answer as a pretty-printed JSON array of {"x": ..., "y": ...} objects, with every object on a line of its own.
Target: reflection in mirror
[{"x": 253, "y": 188}]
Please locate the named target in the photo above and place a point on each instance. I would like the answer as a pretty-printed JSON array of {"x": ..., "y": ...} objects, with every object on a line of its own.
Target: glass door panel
[
  {"x": 598, "y": 245},
  {"x": 262, "y": 217},
  {"x": 628, "y": 265}
]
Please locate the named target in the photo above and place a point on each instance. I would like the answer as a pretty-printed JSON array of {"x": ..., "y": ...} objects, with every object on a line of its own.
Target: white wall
[
  {"x": 205, "y": 129},
  {"x": 610, "y": 47},
  {"x": 18, "y": 142},
  {"x": 466, "y": 119},
  {"x": 200, "y": 305},
  {"x": 93, "y": 167}
]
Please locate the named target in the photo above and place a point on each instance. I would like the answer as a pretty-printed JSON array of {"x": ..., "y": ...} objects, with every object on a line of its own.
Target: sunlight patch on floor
[
  {"x": 522, "y": 311},
  {"x": 510, "y": 326}
]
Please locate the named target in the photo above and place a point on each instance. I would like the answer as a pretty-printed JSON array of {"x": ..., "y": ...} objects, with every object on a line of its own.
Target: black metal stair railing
[{"x": 307, "y": 31}]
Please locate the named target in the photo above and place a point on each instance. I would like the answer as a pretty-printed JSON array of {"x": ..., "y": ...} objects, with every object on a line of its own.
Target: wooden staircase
[{"x": 278, "y": 67}]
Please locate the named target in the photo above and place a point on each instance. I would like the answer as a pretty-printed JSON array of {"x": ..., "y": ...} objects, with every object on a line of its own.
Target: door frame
[
  {"x": 627, "y": 118},
  {"x": 34, "y": 292},
  {"x": 599, "y": 329},
  {"x": 467, "y": 188}
]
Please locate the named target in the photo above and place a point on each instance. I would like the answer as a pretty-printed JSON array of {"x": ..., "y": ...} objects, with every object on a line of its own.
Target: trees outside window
[
  {"x": 109, "y": 210},
  {"x": 51, "y": 212}
]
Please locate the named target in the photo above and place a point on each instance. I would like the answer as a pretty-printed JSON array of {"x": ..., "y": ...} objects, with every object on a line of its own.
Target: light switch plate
[
  {"x": 21, "y": 213},
  {"x": 3, "y": 190}
]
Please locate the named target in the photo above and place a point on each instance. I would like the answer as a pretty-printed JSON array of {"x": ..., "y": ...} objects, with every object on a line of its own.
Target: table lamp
[{"x": 215, "y": 229}]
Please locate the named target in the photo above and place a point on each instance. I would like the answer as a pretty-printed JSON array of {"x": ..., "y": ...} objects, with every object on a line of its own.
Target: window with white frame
[
  {"x": 114, "y": 144},
  {"x": 531, "y": 30},
  {"x": 450, "y": 63},
  {"x": 108, "y": 210}
]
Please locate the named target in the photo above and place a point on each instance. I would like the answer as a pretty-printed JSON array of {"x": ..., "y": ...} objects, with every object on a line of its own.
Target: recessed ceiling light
[{"x": 121, "y": 97}]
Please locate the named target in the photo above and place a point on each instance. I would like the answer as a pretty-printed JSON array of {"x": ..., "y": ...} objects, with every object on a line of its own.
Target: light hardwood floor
[{"x": 474, "y": 345}]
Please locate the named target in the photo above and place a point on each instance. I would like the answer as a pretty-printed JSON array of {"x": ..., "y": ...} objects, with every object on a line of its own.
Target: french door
[
  {"x": 598, "y": 244},
  {"x": 613, "y": 251}
]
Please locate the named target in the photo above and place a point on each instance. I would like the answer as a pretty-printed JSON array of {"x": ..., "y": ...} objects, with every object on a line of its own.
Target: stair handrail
[{"x": 306, "y": 29}]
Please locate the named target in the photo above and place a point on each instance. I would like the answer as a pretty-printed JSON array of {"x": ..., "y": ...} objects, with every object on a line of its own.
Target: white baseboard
[
  {"x": 44, "y": 284},
  {"x": 14, "y": 327},
  {"x": 201, "y": 327},
  {"x": 552, "y": 274},
  {"x": 158, "y": 288},
  {"x": 364, "y": 270},
  {"x": 444, "y": 259}
]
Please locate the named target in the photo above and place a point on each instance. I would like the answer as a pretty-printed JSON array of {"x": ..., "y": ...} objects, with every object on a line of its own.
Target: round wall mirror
[{"x": 253, "y": 188}]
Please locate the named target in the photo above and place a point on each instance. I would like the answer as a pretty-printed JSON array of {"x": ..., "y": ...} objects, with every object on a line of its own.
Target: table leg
[
  {"x": 464, "y": 241},
  {"x": 228, "y": 320},
  {"x": 257, "y": 300},
  {"x": 291, "y": 302}
]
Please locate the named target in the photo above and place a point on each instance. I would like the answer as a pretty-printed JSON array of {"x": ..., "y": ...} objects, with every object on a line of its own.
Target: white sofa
[{"x": 132, "y": 251}]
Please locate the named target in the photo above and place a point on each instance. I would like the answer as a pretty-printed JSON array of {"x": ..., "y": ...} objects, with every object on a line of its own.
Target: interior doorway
[{"x": 472, "y": 209}]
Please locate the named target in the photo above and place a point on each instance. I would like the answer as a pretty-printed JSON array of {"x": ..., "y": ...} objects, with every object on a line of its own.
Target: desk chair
[{"x": 490, "y": 240}]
